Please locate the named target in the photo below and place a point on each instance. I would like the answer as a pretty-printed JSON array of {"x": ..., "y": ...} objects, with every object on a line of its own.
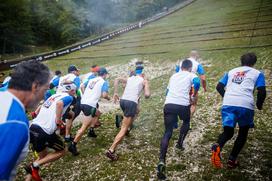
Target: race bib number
[{"x": 49, "y": 101}]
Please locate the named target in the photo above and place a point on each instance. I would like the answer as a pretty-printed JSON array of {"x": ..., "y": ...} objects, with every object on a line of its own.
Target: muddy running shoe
[
  {"x": 91, "y": 133},
  {"x": 34, "y": 171},
  {"x": 111, "y": 155},
  {"x": 216, "y": 156},
  {"x": 232, "y": 164},
  {"x": 180, "y": 147},
  {"x": 73, "y": 149},
  {"x": 118, "y": 120},
  {"x": 161, "y": 171}
]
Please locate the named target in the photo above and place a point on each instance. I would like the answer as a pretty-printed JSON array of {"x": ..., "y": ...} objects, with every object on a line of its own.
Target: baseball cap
[
  {"x": 72, "y": 68},
  {"x": 95, "y": 68},
  {"x": 102, "y": 71}
]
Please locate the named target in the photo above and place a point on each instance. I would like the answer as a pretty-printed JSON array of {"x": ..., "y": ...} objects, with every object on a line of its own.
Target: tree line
[{"x": 57, "y": 23}]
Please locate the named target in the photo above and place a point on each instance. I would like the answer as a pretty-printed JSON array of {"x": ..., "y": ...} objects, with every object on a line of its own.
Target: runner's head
[
  {"x": 95, "y": 69},
  {"x": 248, "y": 59},
  {"x": 73, "y": 69},
  {"x": 194, "y": 54},
  {"x": 58, "y": 73},
  {"x": 103, "y": 72},
  {"x": 139, "y": 68},
  {"x": 32, "y": 78},
  {"x": 186, "y": 65}
]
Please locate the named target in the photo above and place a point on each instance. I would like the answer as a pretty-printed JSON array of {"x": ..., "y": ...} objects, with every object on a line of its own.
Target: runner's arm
[
  {"x": 261, "y": 95},
  {"x": 221, "y": 85},
  {"x": 146, "y": 89},
  {"x": 105, "y": 90},
  {"x": 116, "y": 82},
  {"x": 201, "y": 72}
]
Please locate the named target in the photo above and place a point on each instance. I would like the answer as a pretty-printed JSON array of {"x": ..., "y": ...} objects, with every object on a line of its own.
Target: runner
[
  {"x": 43, "y": 127},
  {"x": 177, "y": 104},
  {"x": 95, "y": 88},
  {"x": 28, "y": 83},
  {"x": 237, "y": 87},
  {"x": 129, "y": 104},
  {"x": 92, "y": 74},
  {"x": 198, "y": 69},
  {"x": 73, "y": 112}
]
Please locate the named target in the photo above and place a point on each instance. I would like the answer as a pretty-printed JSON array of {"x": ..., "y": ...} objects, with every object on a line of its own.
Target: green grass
[{"x": 222, "y": 24}]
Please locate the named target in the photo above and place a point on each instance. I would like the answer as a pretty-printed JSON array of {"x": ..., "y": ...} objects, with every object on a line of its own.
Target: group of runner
[{"x": 65, "y": 97}]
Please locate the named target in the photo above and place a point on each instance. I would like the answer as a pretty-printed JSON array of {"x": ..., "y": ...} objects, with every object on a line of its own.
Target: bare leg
[
  {"x": 85, "y": 125},
  {"x": 50, "y": 157},
  {"x": 69, "y": 124},
  {"x": 126, "y": 123}
]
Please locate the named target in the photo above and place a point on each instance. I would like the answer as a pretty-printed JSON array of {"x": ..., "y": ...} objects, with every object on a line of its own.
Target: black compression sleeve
[
  {"x": 220, "y": 89},
  {"x": 261, "y": 95}
]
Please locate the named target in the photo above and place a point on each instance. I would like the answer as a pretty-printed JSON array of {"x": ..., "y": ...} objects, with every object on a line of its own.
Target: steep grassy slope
[{"x": 222, "y": 31}]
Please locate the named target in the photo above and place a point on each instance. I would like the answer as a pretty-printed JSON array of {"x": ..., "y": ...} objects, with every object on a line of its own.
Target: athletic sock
[{"x": 35, "y": 164}]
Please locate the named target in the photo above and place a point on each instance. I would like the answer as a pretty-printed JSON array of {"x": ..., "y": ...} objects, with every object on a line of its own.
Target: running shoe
[
  {"x": 73, "y": 149},
  {"x": 111, "y": 155},
  {"x": 92, "y": 134},
  {"x": 161, "y": 171},
  {"x": 216, "y": 156},
  {"x": 34, "y": 171},
  {"x": 232, "y": 164},
  {"x": 180, "y": 147}
]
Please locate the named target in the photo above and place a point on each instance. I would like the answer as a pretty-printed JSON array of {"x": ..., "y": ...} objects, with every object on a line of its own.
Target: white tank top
[
  {"x": 46, "y": 118},
  {"x": 93, "y": 92},
  {"x": 133, "y": 88}
]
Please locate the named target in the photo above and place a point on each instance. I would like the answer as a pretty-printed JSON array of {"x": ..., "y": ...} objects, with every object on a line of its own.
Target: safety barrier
[{"x": 5, "y": 65}]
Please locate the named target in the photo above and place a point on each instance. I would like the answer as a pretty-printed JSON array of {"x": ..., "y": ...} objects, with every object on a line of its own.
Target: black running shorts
[
  {"x": 129, "y": 108},
  {"x": 173, "y": 111},
  {"x": 40, "y": 139},
  {"x": 88, "y": 110}
]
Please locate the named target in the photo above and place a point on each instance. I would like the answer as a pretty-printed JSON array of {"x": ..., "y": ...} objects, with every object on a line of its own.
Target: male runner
[
  {"x": 28, "y": 83},
  {"x": 71, "y": 113},
  {"x": 177, "y": 104},
  {"x": 95, "y": 88},
  {"x": 198, "y": 69},
  {"x": 129, "y": 104},
  {"x": 43, "y": 127},
  {"x": 237, "y": 87}
]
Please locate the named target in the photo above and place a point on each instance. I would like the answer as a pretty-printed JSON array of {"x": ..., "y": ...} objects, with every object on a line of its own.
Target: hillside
[{"x": 222, "y": 31}]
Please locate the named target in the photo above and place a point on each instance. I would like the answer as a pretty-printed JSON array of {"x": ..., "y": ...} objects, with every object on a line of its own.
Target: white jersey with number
[
  {"x": 133, "y": 88},
  {"x": 179, "y": 87},
  {"x": 240, "y": 83},
  {"x": 93, "y": 91},
  {"x": 46, "y": 118},
  {"x": 67, "y": 78}
]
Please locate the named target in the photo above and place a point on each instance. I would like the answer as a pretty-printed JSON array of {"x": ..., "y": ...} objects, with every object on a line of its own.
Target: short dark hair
[
  {"x": 186, "y": 64},
  {"x": 248, "y": 59},
  {"x": 28, "y": 72},
  {"x": 57, "y": 72}
]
